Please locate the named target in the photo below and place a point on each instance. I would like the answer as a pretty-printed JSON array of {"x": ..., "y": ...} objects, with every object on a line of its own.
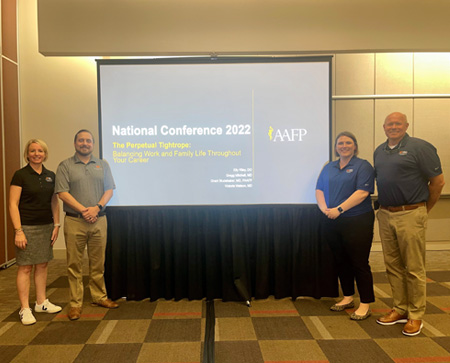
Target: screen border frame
[{"x": 207, "y": 60}]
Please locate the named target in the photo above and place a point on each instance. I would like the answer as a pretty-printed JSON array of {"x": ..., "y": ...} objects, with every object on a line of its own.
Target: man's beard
[{"x": 84, "y": 153}]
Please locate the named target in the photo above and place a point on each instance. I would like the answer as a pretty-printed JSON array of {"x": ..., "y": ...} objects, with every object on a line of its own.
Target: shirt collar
[
  {"x": 77, "y": 159},
  {"x": 350, "y": 163},
  {"x": 401, "y": 144},
  {"x": 32, "y": 171}
]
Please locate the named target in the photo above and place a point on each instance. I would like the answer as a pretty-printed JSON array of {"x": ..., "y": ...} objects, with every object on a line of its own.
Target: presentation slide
[{"x": 212, "y": 132}]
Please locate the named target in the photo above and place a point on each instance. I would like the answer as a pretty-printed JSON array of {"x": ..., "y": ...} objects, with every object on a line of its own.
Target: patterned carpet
[{"x": 271, "y": 330}]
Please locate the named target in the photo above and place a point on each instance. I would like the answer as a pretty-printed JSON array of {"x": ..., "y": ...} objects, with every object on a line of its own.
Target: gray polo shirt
[{"x": 85, "y": 182}]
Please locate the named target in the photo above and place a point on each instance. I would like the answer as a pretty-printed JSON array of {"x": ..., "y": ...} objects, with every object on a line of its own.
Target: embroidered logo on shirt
[
  {"x": 403, "y": 153},
  {"x": 48, "y": 179},
  {"x": 349, "y": 171}
]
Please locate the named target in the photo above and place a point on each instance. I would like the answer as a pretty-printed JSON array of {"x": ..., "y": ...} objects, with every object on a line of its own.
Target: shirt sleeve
[
  {"x": 323, "y": 178},
  {"x": 428, "y": 160},
  {"x": 365, "y": 177},
  {"x": 17, "y": 179},
  {"x": 108, "y": 180},
  {"x": 62, "y": 178}
]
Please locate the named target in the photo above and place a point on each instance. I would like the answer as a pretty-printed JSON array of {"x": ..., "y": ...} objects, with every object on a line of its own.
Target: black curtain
[{"x": 200, "y": 252}]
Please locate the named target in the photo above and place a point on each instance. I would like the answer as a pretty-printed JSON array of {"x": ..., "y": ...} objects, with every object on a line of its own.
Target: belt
[
  {"x": 401, "y": 208},
  {"x": 77, "y": 215}
]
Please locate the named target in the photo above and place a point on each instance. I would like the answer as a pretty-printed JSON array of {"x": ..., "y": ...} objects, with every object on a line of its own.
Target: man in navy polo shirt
[{"x": 410, "y": 180}]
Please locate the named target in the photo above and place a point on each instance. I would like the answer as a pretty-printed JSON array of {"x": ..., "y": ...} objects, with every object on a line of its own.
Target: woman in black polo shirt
[{"x": 34, "y": 211}]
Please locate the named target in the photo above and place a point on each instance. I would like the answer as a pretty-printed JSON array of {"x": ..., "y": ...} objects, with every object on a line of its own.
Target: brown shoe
[
  {"x": 392, "y": 318},
  {"x": 74, "y": 313},
  {"x": 107, "y": 303},
  {"x": 412, "y": 327}
]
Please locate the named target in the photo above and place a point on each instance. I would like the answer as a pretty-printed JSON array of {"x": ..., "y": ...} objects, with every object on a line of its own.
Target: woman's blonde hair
[{"x": 35, "y": 141}]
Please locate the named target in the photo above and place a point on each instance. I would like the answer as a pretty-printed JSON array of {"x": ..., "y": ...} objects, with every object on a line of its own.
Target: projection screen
[{"x": 215, "y": 131}]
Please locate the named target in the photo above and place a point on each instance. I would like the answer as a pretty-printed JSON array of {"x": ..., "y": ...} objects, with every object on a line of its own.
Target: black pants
[{"x": 350, "y": 240}]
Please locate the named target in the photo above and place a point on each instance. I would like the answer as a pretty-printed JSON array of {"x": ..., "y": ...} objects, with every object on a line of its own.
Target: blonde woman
[{"x": 34, "y": 212}]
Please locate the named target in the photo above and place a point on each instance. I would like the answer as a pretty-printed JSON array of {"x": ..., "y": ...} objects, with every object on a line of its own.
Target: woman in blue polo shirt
[
  {"x": 343, "y": 195},
  {"x": 34, "y": 211}
]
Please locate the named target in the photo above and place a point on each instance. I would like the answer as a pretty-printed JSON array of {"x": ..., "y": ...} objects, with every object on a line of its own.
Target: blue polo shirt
[
  {"x": 403, "y": 172},
  {"x": 338, "y": 185}
]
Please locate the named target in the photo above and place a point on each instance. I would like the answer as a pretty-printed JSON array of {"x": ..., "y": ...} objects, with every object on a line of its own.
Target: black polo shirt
[
  {"x": 35, "y": 200},
  {"x": 403, "y": 172}
]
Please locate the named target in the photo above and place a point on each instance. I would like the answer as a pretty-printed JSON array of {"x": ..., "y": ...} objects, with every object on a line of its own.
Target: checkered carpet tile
[{"x": 271, "y": 331}]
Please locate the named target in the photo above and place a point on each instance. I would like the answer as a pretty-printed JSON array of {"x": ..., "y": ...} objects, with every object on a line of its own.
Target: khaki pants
[
  {"x": 79, "y": 234},
  {"x": 403, "y": 240}
]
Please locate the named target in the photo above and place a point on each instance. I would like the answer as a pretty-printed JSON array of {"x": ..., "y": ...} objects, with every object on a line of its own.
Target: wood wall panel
[
  {"x": 3, "y": 241},
  {"x": 9, "y": 29},
  {"x": 10, "y": 122},
  {"x": 12, "y": 135}
]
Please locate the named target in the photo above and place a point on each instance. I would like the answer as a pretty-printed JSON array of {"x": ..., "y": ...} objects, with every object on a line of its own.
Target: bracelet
[
  {"x": 56, "y": 225},
  {"x": 18, "y": 230}
]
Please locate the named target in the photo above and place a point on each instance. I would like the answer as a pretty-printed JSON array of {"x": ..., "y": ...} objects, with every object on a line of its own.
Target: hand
[
  {"x": 90, "y": 214},
  {"x": 55, "y": 234},
  {"x": 20, "y": 240},
  {"x": 93, "y": 220},
  {"x": 332, "y": 213}
]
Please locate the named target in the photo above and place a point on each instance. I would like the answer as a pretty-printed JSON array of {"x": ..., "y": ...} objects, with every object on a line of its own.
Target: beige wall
[
  {"x": 59, "y": 96},
  {"x": 165, "y": 27},
  {"x": 412, "y": 83},
  {"x": 367, "y": 87}
]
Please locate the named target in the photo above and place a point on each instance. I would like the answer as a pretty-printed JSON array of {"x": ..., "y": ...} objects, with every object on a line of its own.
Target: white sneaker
[
  {"x": 47, "y": 307},
  {"x": 26, "y": 316}
]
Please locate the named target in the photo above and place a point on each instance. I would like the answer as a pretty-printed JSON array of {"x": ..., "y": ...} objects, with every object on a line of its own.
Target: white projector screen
[{"x": 213, "y": 131}]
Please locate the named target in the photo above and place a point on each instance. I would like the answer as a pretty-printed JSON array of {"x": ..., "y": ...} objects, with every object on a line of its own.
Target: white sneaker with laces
[
  {"x": 47, "y": 307},
  {"x": 26, "y": 316}
]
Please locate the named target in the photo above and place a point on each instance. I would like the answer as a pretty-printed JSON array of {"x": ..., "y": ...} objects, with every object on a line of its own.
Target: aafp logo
[{"x": 286, "y": 135}]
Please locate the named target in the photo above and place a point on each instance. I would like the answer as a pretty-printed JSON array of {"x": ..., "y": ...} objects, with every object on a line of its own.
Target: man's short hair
[{"x": 79, "y": 132}]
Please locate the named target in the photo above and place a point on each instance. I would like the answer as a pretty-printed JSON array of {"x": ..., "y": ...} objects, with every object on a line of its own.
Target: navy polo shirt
[
  {"x": 403, "y": 173},
  {"x": 35, "y": 204},
  {"x": 338, "y": 185}
]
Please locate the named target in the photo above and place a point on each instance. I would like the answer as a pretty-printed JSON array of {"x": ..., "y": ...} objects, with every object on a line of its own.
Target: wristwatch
[
  {"x": 340, "y": 210},
  {"x": 99, "y": 206}
]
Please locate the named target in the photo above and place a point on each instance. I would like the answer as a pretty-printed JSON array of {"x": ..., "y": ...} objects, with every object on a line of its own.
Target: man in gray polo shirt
[{"x": 85, "y": 184}]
